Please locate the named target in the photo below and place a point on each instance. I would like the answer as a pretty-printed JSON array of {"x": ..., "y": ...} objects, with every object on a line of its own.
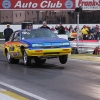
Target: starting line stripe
[
  {"x": 1, "y": 47},
  {"x": 5, "y": 97},
  {"x": 22, "y": 91},
  {"x": 11, "y": 95}
]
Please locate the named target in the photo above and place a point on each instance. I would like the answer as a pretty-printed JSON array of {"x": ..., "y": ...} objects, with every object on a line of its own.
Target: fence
[{"x": 18, "y": 27}]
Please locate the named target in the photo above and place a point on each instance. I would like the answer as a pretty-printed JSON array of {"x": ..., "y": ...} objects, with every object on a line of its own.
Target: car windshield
[{"x": 38, "y": 33}]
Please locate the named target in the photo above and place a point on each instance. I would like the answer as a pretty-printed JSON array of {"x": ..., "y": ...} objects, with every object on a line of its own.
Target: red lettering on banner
[{"x": 89, "y": 3}]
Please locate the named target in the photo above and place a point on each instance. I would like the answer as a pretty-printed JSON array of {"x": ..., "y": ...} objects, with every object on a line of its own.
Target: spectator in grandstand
[
  {"x": 66, "y": 28},
  {"x": 90, "y": 34},
  {"x": 84, "y": 32},
  {"x": 30, "y": 26},
  {"x": 53, "y": 29},
  {"x": 61, "y": 29},
  {"x": 96, "y": 32},
  {"x": 7, "y": 33},
  {"x": 56, "y": 27},
  {"x": 45, "y": 25},
  {"x": 93, "y": 32},
  {"x": 76, "y": 29},
  {"x": 70, "y": 28}
]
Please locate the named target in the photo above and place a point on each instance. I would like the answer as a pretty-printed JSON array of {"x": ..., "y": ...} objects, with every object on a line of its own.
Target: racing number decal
[{"x": 11, "y": 48}]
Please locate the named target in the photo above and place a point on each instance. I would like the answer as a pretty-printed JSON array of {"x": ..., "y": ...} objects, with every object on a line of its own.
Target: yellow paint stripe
[
  {"x": 13, "y": 95},
  {"x": 1, "y": 44},
  {"x": 1, "y": 47}
]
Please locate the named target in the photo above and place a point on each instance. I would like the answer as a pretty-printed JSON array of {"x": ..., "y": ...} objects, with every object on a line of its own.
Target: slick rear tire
[
  {"x": 63, "y": 59},
  {"x": 11, "y": 60}
]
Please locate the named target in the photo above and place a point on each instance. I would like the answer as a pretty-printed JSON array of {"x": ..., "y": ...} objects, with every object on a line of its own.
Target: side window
[{"x": 16, "y": 36}]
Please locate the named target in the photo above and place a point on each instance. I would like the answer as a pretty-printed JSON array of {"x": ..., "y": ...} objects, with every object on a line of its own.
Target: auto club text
[{"x": 43, "y": 4}]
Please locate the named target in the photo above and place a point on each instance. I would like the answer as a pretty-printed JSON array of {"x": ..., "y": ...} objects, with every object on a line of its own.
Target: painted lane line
[{"x": 22, "y": 91}]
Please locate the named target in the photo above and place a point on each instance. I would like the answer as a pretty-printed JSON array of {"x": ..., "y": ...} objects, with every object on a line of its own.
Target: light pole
[
  {"x": 78, "y": 10},
  {"x": 78, "y": 32}
]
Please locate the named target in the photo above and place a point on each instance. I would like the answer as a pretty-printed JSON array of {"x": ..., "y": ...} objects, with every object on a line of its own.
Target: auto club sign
[
  {"x": 89, "y": 4},
  {"x": 37, "y": 4}
]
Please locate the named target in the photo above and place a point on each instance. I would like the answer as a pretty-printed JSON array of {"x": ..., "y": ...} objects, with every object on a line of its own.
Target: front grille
[
  {"x": 46, "y": 47},
  {"x": 51, "y": 45}
]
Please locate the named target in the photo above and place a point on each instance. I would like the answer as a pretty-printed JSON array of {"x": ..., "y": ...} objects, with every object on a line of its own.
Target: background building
[
  {"x": 16, "y": 17},
  {"x": 53, "y": 11}
]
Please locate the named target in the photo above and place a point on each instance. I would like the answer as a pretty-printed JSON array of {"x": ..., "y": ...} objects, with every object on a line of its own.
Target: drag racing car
[{"x": 36, "y": 44}]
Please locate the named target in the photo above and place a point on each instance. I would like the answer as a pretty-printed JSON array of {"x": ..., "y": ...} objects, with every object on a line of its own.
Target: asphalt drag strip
[
  {"x": 85, "y": 57},
  {"x": 9, "y": 92}
]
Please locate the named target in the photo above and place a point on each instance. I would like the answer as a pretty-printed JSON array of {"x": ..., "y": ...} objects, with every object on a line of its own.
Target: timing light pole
[
  {"x": 78, "y": 32},
  {"x": 78, "y": 10}
]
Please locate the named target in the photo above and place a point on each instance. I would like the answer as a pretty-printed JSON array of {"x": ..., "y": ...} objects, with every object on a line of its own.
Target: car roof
[{"x": 32, "y": 29}]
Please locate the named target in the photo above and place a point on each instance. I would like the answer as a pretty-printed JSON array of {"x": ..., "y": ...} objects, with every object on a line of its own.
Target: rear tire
[
  {"x": 26, "y": 59},
  {"x": 11, "y": 60},
  {"x": 63, "y": 59}
]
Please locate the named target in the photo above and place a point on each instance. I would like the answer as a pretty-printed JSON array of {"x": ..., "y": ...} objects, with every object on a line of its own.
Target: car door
[
  {"x": 14, "y": 47},
  {"x": 14, "y": 42}
]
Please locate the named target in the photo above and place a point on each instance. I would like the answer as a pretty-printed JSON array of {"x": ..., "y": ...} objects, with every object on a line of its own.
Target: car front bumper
[{"x": 48, "y": 52}]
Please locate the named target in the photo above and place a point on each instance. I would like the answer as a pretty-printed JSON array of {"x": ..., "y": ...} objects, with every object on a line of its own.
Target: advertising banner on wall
[
  {"x": 89, "y": 4},
  {"x": 37, "y": 4}
]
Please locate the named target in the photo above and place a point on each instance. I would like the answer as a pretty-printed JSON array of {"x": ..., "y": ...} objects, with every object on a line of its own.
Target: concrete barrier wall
[{"x": 17, "y": 27}]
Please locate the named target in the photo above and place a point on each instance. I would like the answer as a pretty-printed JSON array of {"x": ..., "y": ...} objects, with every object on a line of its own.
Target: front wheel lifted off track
[
  {"x": 26, "y": 59},
  {"x": 11, "y": 60},
  {"x": 63, "y": 59}
]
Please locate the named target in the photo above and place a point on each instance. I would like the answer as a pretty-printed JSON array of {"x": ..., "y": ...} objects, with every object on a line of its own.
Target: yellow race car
[{"x": 38, "y": 44}]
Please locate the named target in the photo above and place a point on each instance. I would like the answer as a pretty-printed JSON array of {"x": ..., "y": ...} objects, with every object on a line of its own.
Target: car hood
[{"x": 43, "y": 40}]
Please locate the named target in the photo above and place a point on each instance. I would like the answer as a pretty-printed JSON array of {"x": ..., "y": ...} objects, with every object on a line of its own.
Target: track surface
[{"x": 76, "y": 80}]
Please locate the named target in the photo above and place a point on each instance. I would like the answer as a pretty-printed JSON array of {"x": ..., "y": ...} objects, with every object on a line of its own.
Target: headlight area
[
  {"x": 65, "y": 44},
  {"x": 37, "y": 45},
  {"x": 49, "y": 45}
]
